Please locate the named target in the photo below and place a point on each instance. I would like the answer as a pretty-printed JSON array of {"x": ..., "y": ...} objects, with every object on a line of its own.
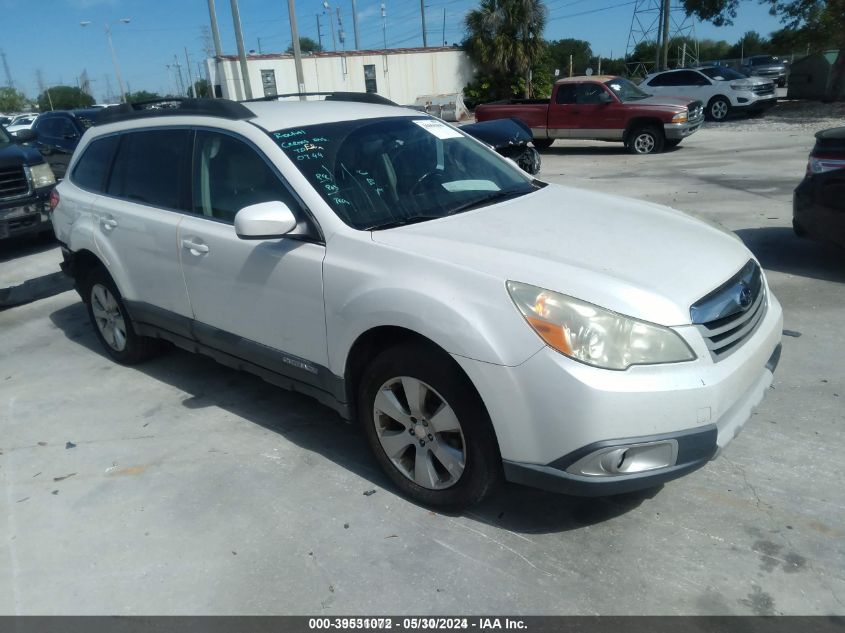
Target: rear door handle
[{"x": 194, "y": 247}]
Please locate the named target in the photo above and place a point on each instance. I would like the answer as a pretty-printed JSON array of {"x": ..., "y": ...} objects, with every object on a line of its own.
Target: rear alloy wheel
[
  {"x": 718, "y": 109},
  {"x": 645, "y": 140},
  {"x": 428, "y": 428},
  {"x": 111, "y": 321}
]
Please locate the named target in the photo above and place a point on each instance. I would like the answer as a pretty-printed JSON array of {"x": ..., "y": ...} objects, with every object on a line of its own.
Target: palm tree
[{"x": 505, "y": 37}]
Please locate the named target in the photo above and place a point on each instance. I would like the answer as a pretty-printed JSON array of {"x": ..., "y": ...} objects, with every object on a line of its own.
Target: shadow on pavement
[
  {"x": 34, "y": 289},
  {"x": 13, "y": 248},
  {"x": 778, "y": 248},
  {"x": 316, "y": 428}
]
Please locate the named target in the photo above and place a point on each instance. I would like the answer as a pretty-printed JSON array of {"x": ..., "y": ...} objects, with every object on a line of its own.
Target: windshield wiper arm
[
  {"x": 498, "y": 195},
  {"x": 414, "y": 219}
]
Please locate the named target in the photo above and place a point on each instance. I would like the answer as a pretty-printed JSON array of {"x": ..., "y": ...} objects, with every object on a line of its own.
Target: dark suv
[
  {"x": 25, "y": 184},
  {"x": 58, "y": 133},
  {"x": 818, "y": 209}
]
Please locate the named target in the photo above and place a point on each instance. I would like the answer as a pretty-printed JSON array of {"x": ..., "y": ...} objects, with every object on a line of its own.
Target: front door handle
[
  {"x": 108, "y": 224},
  {"x": 194, "y": 247}
]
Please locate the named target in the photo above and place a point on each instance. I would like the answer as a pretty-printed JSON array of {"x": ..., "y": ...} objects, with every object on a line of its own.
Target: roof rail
[
  {"x": 359, "y": 97},
  {"x": 174, "y": 106}
]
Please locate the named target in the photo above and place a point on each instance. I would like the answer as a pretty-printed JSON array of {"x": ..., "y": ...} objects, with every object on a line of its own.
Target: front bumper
[
  {"x": 21, "y": 217},
  {"x": 677, "y": 131},
  {"x": 551, "y": 411},
  {"x": 757, "y": 104}
]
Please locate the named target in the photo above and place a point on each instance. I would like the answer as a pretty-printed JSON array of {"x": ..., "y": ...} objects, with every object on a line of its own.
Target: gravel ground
[{"x": 792, "y": 116}]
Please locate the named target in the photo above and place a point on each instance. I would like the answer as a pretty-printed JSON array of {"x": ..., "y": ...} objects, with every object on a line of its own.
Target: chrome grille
[
  {"x": 695, "y": 110},
  {"x": 764, "y": 89},
  {"x": 14, "y": 182},
  {"x": 729, "y": 315}
]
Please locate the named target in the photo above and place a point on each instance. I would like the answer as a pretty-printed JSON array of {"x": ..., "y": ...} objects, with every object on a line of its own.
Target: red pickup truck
[{"x": 602, "y": 108}]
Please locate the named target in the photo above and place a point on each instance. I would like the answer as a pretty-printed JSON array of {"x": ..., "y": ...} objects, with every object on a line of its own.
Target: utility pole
[
  {"x": 192, "y": 87},
  {"x": 667, "y": 12},
  {"x": 215, "y": 32},
  {"x": 328, "y": 10},
  {"x": 180, "y": 81},
  {"x": 384, "y": 25},
  {"x": 340, "y": 33},
  {"x": 239, "y": 38},
  {"x": 422, "y": 16},
  {"x": 444, "y": 26},
  {"x": 570, "y": 64},
  {"x": 297, "y": 53},
  {"x": 355, "y": 24},
  {"x": 658, "y": 44},
  {"x": 319, "y": 32},
  {"x": 9, "y": 81}
]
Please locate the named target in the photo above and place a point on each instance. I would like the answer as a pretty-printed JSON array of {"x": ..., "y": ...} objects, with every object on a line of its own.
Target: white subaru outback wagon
[{"x": 479, "y": 323}]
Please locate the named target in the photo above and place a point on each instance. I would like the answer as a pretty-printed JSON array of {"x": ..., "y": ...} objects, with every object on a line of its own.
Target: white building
[{"x": 400, "y": 74}]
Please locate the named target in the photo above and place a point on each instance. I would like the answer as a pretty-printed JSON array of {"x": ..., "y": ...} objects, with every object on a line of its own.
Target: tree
[
  {"x": 64, "y": 98},
  {"x": 141, "y": 95},
  {"x": 560, "y": 50},
  {"x": 12, "y": 100},
  {"x": 306, "y": 45},
  {"x": 752, "y": 43},
  {"x": 818, "y": 23},
  {"x": 199, "y": 89},
  {"x": 505, "y": 41}
]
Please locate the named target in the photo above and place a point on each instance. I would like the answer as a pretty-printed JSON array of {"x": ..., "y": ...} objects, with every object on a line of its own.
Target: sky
[{"x": 46, "y": 35}]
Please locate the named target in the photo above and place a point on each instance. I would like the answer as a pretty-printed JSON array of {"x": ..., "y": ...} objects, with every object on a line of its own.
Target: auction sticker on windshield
[{"x": 437, "y": 128}]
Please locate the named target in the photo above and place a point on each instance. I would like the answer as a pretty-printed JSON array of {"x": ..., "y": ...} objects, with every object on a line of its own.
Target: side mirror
[
  {"x": 605, "y": 98},
  {"x": 25, "y": 136},
  {"x": 264, "y": 220}
]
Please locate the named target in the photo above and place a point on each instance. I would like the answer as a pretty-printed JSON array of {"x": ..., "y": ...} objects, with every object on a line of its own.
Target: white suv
[
  {"x": 722, "y": 89},
  {"x": 477, "y": 322}
]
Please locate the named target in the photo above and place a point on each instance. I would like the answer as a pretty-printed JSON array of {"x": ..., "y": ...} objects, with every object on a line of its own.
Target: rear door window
[
  {"x": 150, "y": 168},
  {"x": 93, "y": 167}
]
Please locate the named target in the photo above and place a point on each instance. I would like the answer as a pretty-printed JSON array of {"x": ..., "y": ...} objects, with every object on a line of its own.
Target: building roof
[{"x": 601, "y": 78}]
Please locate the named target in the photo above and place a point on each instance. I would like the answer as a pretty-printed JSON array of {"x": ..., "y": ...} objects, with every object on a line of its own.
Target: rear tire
[
  {"x": 543, "y": 143},
  {"x": 428, "y": 428},
  {"x": 645, "y": 139},
  {"x": 112, "y": 322}
]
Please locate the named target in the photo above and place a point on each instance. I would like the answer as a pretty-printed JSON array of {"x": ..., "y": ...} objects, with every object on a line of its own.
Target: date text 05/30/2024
[{"x": 417, "y": 624}]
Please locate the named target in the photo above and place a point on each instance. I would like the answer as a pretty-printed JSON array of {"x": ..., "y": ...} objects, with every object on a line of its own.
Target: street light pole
[
  {"x": 297, "y": 53},
  {"x": 113, "y": 55}
]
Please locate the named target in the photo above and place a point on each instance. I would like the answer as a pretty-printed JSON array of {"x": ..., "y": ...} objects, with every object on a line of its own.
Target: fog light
[{"x": 627, "y": 459}]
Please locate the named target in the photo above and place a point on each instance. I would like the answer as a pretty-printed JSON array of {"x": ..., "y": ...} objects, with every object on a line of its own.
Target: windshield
[
  {"x": 377, "y": 173},
  {"x": 625, "y": 90},
  {"x": 763, "y": 61},
  {"x": 722, "y": 73}
]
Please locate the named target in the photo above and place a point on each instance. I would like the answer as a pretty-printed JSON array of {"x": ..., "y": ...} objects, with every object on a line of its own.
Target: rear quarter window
[{"x": 92, "y": 169}]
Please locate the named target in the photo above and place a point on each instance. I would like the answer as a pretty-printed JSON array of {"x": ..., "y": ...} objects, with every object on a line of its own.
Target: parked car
[
  {"x": 766, "y": 66},
  {"x": 510, "y": 138},
  {"x": 58, "y": 133},
  {"x": 25, "y": 184},
  {"x": 477, "y": 321},
  {"x": 818, "y": 208},
  {"x": 21, "y": 122},
  {"x": 602, "y": 108},
  {"x": 721, "y": 88}
]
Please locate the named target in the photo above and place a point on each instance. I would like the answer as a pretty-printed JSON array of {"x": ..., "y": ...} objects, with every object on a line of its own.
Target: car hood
[
  {"x": 633, "y": 257},
  {"x": 661, "y": 101},
  {"x": 13, "y": 155}
]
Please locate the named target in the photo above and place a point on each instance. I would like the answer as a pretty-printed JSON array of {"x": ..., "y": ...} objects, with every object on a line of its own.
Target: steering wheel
[{"x": 435, "y": 176}]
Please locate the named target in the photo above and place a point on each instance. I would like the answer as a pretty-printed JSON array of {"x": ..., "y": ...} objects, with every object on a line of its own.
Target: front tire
[
  {"x": 718, "y": 109},
  {"x": 111, "y": 321},
  {"x": 428, "y": 428},
  {"x": 645, "y": 140}
]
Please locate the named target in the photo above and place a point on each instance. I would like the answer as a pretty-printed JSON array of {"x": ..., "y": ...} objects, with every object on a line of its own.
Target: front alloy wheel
[
  {"x": 420, "y": 433},
  {"x": 719, "y": 109}
]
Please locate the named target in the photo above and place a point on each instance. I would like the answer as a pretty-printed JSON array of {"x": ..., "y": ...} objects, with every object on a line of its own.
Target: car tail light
[
  {"x": 821, "y": 163},
  {"x": 54, "y": 200}
]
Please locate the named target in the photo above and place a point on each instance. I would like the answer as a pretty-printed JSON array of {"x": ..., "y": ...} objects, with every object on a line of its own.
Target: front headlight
[
  {"x": 681, "y": 117},
  {"x": 593, "y": 335},
  {"x": 42, "y": 175},
  {"x": 741, "y": 85}
]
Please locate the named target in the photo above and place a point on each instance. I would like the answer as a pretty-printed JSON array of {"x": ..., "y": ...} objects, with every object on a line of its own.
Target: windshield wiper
[
  {"x": 414, "y": 219},
  {"x": 497, "y": 195}
]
